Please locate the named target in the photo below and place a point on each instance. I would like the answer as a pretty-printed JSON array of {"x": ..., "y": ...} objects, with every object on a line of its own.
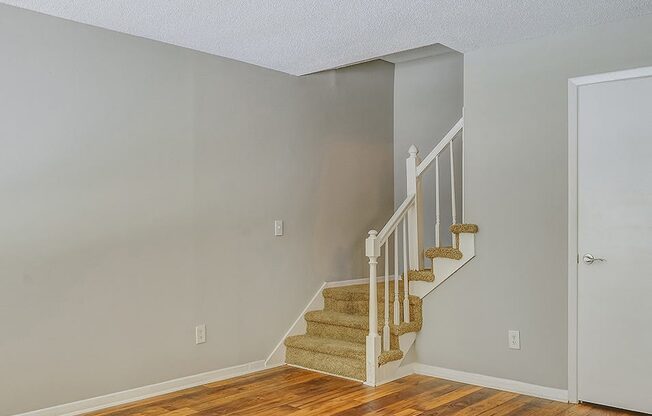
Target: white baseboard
[
  {"x": 145, "y": 392},
  {"x": 492, "y": 382}
]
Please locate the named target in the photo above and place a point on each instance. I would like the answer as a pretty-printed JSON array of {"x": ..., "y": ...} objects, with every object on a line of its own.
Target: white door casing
[{"x": 610, "y": 216}]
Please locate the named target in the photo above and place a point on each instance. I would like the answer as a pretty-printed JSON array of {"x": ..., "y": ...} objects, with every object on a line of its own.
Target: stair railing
[{"x": 408, "y": 219}]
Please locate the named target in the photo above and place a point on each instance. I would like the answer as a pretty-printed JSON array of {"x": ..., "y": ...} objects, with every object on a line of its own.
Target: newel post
[
  {"x": 373, "y": 339},
  {"x": 414, "y": 214}
]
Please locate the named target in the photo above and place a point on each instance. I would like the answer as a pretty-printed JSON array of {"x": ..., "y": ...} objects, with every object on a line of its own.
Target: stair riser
[
  {"x": 346, "y": 367},
  {"x": 344, "y": 333}
]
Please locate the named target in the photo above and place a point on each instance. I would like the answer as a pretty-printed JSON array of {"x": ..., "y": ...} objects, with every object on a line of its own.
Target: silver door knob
[{"x": 589, "y": 259}]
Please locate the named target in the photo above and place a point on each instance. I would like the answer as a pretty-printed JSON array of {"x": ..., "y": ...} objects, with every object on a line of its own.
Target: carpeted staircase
[{"x": 335, "y": 338}]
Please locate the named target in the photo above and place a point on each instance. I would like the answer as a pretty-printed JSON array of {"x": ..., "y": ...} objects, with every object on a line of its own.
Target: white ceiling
[{"x": 304, "y": 36}]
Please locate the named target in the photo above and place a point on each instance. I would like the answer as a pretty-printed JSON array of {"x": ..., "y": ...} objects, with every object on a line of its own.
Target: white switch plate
[
  {"x": 200, "y": 334},
  {"x": 514, "y": 339},
  {"x": 278, "y": 228}
]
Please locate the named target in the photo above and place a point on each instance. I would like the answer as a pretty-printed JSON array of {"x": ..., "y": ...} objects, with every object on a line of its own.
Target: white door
[{"x": 615, "y": 224}]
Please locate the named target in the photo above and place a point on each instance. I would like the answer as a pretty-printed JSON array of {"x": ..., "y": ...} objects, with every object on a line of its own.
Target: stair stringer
[{"x": 444, "y": 268}]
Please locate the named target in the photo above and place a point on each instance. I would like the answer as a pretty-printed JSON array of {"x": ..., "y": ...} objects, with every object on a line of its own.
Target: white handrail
[
  {"x": 437, "y": 210},
  {"x": 402, "y": 210},
  {"x": 440, "y": 147}
]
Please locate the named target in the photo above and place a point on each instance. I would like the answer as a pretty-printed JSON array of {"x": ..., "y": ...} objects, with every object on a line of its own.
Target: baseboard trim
[
  {"x": 145, "y": 392},
  {"x": 492, "y": 382}
]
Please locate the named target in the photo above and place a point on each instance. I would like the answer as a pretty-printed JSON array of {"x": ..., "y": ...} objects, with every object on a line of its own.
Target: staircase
[{"x": 364, "y": 330}]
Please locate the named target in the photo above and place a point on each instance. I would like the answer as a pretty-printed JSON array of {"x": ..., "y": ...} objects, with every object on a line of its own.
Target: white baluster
[
  {"x": 462, "y": 158},
  {"x": 397, "y": 305},
  {"x": 406, "y": 303},
  {"x": 373, "y": 346},
  {"x": 437, "y": 216},
  {"x": 414, "y": 214},
  {"x": 453, "y": 205},
  {"x": 386, "y": 326}
]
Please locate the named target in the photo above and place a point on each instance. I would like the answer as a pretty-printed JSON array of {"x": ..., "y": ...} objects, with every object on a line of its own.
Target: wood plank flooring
[{"x": 291, "y": 391}]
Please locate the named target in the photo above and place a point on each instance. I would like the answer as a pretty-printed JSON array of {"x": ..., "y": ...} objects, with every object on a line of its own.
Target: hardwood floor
[{"x": 291, "y": 391}]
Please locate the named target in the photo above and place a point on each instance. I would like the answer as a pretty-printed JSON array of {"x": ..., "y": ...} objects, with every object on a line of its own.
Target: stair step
[
  {"x": 354, "y": 300},
  {"x": 425, "y": 275},
  {"x": 342, "y": 333},
  {"x": 361, "y": 307},
  {"x": 339, "y": 319},
  {"x": 444, "y": 252},
  {"x": 361, "y": 292},
  {"x": 338, "y": 349},
  {"x": 389, "y": 356},
  {"x": 463, "y": 228},
  {"x": 354, "y": 368},
  {"x": 327, "y": 346},
  {"x": 358, "y": 322}
]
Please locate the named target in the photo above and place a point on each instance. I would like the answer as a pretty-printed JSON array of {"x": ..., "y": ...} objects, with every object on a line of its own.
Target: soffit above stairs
[{"x": 300, "y": 37}]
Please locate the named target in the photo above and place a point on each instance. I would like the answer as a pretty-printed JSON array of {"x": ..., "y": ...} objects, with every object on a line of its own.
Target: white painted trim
[
  {"x": 572, "y": 241},
  {"x": 277, "y": 356},
  {"x": 145, "y": 392},
  {"x": 361, "y": 281},
  {"x": 393, "y": 371},
  {"x": 492, "y": 382},
  {"x": 612, "y": 76},
  {"x": 445, "y": 268},
  {"x": 574, "y": 85},
  {"x": 440, "y": 146}
]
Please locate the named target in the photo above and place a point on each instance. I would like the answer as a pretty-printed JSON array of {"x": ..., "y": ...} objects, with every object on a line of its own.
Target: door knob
[{"x": 589, "y": 259}]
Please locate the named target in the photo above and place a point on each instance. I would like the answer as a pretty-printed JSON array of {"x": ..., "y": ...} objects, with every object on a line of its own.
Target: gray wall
[
  {"x": 516, "y": 182},
  {"x": 139, "y": 184},
  {"x": 428, "y": 97}
]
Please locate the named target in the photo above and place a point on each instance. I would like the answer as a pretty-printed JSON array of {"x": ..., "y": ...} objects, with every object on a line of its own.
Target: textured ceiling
[{"x": 304, "y": 36}]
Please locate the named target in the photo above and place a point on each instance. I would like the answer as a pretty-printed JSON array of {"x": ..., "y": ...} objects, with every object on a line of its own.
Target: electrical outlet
[
  {"x": 514, "y": 339},
  {"x": 200, "y": 334}
]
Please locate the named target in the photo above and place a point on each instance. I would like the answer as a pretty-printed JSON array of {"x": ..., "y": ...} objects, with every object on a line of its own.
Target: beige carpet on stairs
[{"x": 335, "y": 338}]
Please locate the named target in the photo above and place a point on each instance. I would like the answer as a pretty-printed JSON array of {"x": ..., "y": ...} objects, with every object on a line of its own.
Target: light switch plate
[
  {"x": 514, "y": 339},
  {"x": 278, "y": 228},
  {"x": 200, "y": 334}
]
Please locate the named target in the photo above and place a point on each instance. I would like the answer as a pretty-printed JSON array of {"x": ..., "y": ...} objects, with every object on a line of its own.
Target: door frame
[{"x": 574, "y": 85}]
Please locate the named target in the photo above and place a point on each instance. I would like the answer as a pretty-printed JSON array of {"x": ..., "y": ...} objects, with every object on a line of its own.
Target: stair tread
[
  {"x": 361, "y": 292},
  {"x": 464, "y": 228},
  {"x": 352, "y": 350},
  {"x": 388, "y": 356},
  {"x": 443, "y": 252},
  {"x": 425, "y": 275},
  {"x": 354, "y": 368},
  {"x": 358, "y": 321},
  {"x": 327, "y": 346}
]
